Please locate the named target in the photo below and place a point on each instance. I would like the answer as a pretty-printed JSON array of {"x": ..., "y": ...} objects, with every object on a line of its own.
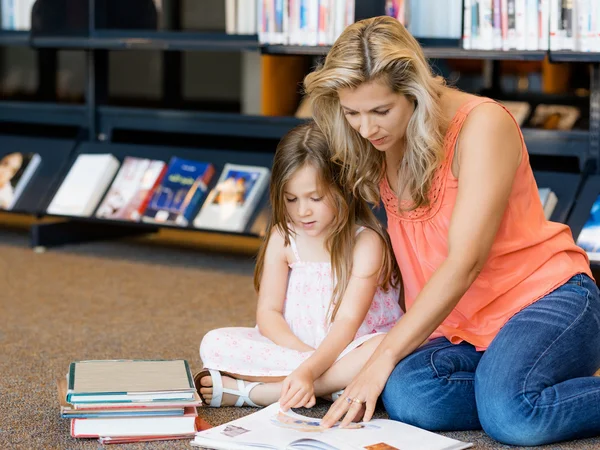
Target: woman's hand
[
  {"x": 298, "y": 390},
  {"x": 364, "y": 390}
]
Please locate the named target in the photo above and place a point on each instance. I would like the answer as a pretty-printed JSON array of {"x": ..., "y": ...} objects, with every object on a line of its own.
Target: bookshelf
[{"x": 218, "y": 135}]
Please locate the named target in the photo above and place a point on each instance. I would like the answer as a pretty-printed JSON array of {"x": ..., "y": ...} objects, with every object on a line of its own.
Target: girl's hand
[
  {"x": 362, "y": 391},
  {"x": 298, "y": 390}
]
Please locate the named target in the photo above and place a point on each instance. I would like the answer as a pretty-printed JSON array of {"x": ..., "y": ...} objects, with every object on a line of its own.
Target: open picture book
[{"x": 270, "y": 428}]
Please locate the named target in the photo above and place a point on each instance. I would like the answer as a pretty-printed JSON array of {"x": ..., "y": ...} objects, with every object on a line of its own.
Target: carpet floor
[{"x": 115, "y": 300}]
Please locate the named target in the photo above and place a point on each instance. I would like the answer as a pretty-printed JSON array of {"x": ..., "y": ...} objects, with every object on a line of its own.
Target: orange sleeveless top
[{"x": 529, "y": 258}]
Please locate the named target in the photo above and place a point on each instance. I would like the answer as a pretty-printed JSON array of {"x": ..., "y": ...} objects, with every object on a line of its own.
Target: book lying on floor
[
  {"x": 136, "y": 426},
  {"x": 270, "y": 428},
  {"x": 95, "y": 410},
  {"x": 114, "y": 381}
]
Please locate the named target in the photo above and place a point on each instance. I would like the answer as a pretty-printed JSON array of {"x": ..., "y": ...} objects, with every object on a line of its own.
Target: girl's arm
[
  {"x": 271, "y": 297},
  {"x": 489, "y": 156},
  {"x": 297, "y": 389},
  {"x": 367, "y": 258}
]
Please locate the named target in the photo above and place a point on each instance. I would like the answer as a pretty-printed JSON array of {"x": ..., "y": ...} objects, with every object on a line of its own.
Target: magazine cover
[
  {"x": 16, "y": 169},
  {"x": 128, "y": 195},
  {"x": 231, "y": 203},
  {"x": 589, "y": 238},
  {"x": 181, "y": 191}
]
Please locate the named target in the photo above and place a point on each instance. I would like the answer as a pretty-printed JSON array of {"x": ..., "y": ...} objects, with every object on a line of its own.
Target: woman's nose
[{"x": 367, "y": 127}]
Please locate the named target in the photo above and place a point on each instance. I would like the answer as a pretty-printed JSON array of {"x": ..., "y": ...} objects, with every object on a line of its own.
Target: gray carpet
[{"x": 116, "y": 300}]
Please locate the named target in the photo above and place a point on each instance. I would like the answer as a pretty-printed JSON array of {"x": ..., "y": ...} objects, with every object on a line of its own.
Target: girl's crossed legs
[
  {"x": 337, "y": 377},
  {"x": 533, "y": 385}
]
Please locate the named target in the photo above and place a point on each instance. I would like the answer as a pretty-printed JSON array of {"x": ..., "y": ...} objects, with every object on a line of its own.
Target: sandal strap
[
  {"x": 243, "y": 393},
  {"x": 217, "y": 386}
]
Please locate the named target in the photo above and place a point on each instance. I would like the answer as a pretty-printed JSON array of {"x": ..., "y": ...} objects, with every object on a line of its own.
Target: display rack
[{"x": 97, "y": 122}]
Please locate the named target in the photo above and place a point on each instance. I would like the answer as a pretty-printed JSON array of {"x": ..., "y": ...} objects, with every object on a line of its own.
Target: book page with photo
[
  {"x": 271, "y": 428},
  {"x": 231, "y": 203}
]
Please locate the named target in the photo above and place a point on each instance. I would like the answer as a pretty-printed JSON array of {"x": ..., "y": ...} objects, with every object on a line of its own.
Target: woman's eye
[
  {"x": 382, "y": 113},
  {"x": 318, "y": 199},
  {"x": 350, "y": 113},
  {"x": 290, "y": 200}
]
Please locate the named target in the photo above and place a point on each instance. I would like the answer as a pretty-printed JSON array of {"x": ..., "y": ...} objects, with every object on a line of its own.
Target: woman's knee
[{"x": 209, "y": 342}]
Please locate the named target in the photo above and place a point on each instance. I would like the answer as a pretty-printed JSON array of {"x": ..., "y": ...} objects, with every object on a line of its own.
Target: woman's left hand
[{"x": 364, "y": 390}]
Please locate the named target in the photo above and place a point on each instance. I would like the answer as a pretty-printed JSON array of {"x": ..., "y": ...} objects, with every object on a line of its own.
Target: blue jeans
[{"x": 532, "y": 386}]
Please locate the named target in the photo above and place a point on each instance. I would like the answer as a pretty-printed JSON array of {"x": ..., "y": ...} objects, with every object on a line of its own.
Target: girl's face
[
  {"x": 307, "y": 204},
  {"x": 9, "y": 165},
  {"x": 377, "y": 113}
]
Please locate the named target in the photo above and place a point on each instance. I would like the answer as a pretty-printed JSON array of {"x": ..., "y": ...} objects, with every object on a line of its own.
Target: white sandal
[{"x": 243, "y": 391}]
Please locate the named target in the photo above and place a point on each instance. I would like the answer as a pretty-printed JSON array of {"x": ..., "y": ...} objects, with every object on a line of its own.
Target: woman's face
[
  {"x": 9, "y": 165},
  {"x": 377, "y": 113}
]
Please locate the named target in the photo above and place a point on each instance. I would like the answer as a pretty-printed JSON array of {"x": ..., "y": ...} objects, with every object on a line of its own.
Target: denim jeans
[{"x": 532, "y": 386}]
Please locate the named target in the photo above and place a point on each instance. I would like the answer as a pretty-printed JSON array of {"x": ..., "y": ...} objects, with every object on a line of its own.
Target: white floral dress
[{"x": 245, "y": 351}]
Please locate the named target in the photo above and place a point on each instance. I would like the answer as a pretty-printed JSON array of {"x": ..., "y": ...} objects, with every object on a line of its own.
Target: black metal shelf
[
  {"x": 43, "y": 113},
  {"x": 177, "y": 121},
  {"x": 14, "y": 38},
  {"x": 570, "y": 56},
  {"x": 430, "y": 52},
  {"x": 152, "y": 40}
]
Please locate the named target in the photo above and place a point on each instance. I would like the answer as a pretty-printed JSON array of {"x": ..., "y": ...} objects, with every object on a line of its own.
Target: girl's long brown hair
[{"x": 307, "y": 145}]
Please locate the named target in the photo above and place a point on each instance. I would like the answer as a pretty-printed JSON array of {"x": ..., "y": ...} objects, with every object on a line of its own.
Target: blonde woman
[{"x": 502, "y": 329}]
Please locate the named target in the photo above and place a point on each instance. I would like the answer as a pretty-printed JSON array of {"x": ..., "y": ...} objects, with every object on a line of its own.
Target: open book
[{"x": 270, "y": 428}]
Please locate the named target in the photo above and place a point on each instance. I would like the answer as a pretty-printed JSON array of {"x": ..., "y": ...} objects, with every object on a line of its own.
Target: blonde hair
[
  {"x": 380, "y": 49},
  {"x": 306, "y": 145}
]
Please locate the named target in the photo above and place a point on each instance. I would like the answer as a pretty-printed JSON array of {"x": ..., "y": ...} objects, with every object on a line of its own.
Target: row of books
[
  {"x": 118, "y": 401},
  {"x": 177, "y": 193},
  {"x": 301, "y": 22},
  {"x": 532, "y": 25}
]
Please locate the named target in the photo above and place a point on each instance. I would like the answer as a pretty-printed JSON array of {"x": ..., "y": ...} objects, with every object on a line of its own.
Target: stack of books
[{"x": 120, "y": 401}]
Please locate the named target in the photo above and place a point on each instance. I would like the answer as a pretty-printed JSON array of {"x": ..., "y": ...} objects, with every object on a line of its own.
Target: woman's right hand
[{"x": 365, "y": 389}]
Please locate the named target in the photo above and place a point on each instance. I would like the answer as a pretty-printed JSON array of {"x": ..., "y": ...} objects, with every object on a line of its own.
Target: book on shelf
[
  {"x": 84, "y": 185},
  {"x": 230, "y": 204},
  {"x": 589, "y": 238},
  {"x": 270, "y": 428},
  {"x": 554, "y": 117},
  {"x": 180, "y": 193},
  {"x": 519, "y": 110},
  {"x": 127, "y": 381},
  {"x": 549, "y": 200},
  {"x": 16, "y": 170},
  {"x": 130, "y": 191}
]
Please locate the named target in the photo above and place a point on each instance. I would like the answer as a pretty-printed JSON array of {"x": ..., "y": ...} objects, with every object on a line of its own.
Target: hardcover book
[
  {"x": 180, "y": 193},
  {"x": 231, "y": 203},
  {"x": 589, "y": 238},
  {"x": 84, "y": 185},
  {"x": 16, "y": 169},
  {"x": 114, "y": 381},
  {"x": 130, "y": 192}
]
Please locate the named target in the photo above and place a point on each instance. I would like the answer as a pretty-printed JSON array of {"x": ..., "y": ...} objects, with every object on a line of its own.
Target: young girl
[{"x": 327, "y": 287}]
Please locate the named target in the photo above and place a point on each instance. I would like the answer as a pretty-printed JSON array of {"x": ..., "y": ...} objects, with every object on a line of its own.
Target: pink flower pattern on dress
[{"x": 307, "y": 300}]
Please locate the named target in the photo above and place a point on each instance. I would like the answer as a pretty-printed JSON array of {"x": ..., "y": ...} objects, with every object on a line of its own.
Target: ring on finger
[{"x": 354, "y": 400}]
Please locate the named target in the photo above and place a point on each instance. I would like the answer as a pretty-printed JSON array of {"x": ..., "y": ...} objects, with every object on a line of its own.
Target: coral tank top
[{"x": 530, "y": 256}]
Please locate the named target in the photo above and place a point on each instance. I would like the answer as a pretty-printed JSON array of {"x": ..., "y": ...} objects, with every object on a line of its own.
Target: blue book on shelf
[
  {"x": 180, "y": 193},
  {"x": 589, "y": 238}
]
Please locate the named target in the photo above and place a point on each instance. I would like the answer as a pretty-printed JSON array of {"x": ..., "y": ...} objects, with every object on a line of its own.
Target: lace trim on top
[{"x": 439, "y": 180}]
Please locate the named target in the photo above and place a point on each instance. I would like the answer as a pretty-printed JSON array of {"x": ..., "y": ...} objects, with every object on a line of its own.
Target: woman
[{"x": 502, "y": 324}]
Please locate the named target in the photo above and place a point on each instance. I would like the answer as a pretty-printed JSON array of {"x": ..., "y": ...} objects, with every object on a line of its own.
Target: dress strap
[
  {"x": 359, "y": 230},
  {"x": 294, "y": 248}
]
